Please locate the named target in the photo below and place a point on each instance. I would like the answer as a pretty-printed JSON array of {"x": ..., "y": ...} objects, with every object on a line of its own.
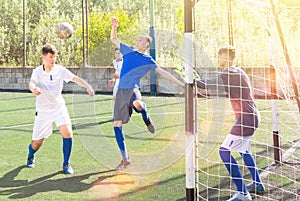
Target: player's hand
[
  {"x": 36, "y": 91},
  {"x": 111, "y": 82},
  {"x": 90, "y": 91},
  {"x": 114, "y": 21}
]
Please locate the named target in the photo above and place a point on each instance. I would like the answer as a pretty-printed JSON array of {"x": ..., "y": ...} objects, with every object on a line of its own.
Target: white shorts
[
  {"x": 237, "y": 143},
  {"x": 43, "y": 122},
  {"x": 116, "y": 87}
]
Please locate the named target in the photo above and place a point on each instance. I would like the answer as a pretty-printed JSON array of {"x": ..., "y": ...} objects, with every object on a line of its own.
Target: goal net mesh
[{"x": 258, "y": 45}]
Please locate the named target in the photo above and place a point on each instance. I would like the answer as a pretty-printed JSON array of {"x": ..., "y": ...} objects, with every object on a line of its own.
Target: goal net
[{"x": 261, "y": 55}]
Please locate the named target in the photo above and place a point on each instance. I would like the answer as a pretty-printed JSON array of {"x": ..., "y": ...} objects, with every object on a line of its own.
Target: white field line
[{"x": 74, "y": 119}]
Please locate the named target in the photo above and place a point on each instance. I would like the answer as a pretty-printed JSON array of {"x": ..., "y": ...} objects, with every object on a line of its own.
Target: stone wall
[{"x": 17, "y": 79}]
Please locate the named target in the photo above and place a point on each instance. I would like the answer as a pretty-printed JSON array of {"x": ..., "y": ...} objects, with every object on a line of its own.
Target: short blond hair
[{"x": 147, "y": 36}]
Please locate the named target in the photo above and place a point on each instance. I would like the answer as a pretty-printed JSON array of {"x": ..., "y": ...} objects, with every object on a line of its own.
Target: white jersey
[
  {"x": 51, "y": 85},
  {"x": 118, "y": 67}
]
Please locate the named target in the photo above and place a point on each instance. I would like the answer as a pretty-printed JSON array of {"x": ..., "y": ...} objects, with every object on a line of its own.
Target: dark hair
[
  {"x": 230, "y": 50},
  {"x": 117, "y": 49},
  {"x": 48, "y": 48}
]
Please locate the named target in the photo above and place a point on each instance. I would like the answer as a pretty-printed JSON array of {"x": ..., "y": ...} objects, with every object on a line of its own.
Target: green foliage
[
  {"x": 11, "y": 33},
  {"x": 100, "y": 46},
  {"x": 250, "y": 25}
]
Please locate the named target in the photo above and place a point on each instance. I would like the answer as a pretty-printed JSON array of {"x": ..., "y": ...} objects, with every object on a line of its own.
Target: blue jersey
[{"x": 135, "y": 66}]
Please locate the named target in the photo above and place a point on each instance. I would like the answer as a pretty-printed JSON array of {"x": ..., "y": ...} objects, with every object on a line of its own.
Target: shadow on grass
[
  {"x": 144, "y": 188},
  {"x": 23, "y": 188}
]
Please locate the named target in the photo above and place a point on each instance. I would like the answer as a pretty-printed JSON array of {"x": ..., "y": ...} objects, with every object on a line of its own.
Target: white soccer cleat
[{"x": 240, "y": 197}]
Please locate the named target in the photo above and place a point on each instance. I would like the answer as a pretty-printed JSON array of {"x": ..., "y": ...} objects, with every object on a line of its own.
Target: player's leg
[
  {"x": 32, "y": 149},
  {"x": 42, "y": 129},
  {"x": 233, "y": 169},
  {"x": 122, "y": 113},
  {"x": 236, "y": 144},
  {"x": 256, "y": 186},
  {"x": 120, "y": 138},
  {"x": 67, "y": 134},
  {"x": 63, "y": 122},
  {"x": 141, "y": 107}
]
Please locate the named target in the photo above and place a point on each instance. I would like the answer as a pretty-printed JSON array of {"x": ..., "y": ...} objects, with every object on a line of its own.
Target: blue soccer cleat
[
  {"x": 30, "y": 162},
  {"x": 68, "y": 169}
]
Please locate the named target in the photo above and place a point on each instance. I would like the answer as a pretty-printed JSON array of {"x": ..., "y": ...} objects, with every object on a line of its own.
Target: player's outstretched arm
[
  {"x": 211, "y": 83},
  {"x": 169, "y": 76},
  {"x": 113, "y": 35},
  {"x": 83, "y": 83},
  {"x": 33, "y": 88}
]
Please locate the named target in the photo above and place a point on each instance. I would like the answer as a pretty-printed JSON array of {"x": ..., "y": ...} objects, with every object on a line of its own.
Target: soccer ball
[{"x": 64, "y": 30}]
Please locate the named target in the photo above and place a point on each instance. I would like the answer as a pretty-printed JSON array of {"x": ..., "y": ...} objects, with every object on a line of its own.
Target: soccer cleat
[
  {"x": 240, "y": 197},
  {"x": 258, "y": 189},
  {"x": 68, "y": 169},
  {"x": 150, "y": 126},
  {"x": 123, "y": 165},
  {"x": 30, "y": 162}
]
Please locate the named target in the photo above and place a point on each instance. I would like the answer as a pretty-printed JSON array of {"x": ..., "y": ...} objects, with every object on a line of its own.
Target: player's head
[
  {"x": 143, "y": 42},
  {"x": 118, "y": 54},
  {"x": 49, "y": 54},
  {"x": 226, "y": 56},
  {"x": 48, "y": 48}
]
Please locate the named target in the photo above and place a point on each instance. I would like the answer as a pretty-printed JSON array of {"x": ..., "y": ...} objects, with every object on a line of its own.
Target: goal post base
[{"x": 190, "y": 194}]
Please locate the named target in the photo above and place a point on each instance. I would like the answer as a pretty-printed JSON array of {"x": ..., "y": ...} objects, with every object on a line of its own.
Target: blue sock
[
  {"x": 144, "y": 112},
  {"x": 31, "y": 151},
  {"x": 249, "y": 161},
  {"x": 233, "y": 169},
  {"x": 67, "y": 148},
  {"x": 121, "y": 142}
]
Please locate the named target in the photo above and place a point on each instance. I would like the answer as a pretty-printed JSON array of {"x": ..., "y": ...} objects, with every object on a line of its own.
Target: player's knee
[
  {"x": 67, "y": 135},
  {"x": 36, "y": 144},
  {"x": 66, "y": 131},
  {"x": 117, "y": 123},
  {"x": 137, "y": 104}
]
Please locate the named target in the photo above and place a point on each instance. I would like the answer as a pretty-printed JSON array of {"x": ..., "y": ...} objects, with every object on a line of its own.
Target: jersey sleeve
[
  {"x": 153, "y": 63},
  {"x": 207, "y": 83},
  {"x": 125, "y": 49},
  {"x": 34, "y": 76},
  {"x": 214, "y": 85},
  {"x": 67, "y": 75}
]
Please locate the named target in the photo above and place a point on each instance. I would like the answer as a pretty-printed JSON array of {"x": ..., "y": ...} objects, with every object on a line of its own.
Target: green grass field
[{"x": 158, "y": 169}]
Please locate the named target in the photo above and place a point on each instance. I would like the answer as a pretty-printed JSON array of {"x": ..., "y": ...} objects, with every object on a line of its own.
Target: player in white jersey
[
  {"x": 46, "y": 84},
  {"x": 117, "y": 62}
]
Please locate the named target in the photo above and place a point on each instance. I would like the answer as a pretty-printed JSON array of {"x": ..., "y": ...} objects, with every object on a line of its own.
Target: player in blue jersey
[
  {"x": 46, "y": 83},
  {"x": 136, "y": 63},
  {"x": 235, "y": 82}
]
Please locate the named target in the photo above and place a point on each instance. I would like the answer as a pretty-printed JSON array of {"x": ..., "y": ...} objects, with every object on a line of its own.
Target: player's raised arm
[
  {"x": 169, "y": 76},
  {"x": 83, "y": 83},
  {"x": 113, "y": 35}
]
